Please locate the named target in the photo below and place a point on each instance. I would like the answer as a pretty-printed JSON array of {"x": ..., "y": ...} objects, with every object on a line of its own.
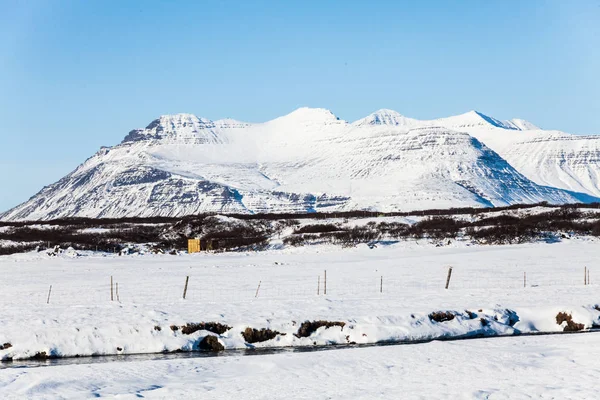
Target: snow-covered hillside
[
  {"x": 310, "y": 160},
  {"x": 550, "y": 158}
]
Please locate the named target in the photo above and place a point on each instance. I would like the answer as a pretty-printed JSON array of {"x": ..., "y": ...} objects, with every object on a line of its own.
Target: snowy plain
[
  {"x": 546, "y": 367},
  {"x": 381, "y": 294}
]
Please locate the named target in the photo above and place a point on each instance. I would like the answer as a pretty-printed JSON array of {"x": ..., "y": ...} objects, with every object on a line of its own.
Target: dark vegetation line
[
  {"x": 254, "y": 232},
  {"x": 83, "y": 222}
]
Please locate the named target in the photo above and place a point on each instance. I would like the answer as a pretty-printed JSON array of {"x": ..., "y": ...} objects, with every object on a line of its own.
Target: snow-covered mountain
[
  {"x": 549, "y": 158},
  {"x": 386, "y": 117},
  {"x": 310, "y": 160}
]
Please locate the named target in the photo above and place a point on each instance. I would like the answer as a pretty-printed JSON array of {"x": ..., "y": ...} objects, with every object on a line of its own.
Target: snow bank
[{"x": 151, "y": 331}]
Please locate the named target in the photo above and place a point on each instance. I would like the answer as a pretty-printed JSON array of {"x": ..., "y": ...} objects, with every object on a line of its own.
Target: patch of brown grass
[
  {"x": 571, "y": 326},
  {"x": 441, "y": 316},
  {"x": 307, "y": 328},
  {"x": 214, "y": 327},
  {"x": 252, "y": 335}
]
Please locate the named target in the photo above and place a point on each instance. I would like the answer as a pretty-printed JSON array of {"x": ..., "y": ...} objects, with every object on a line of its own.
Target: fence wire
[{"x": 233, "y": 288}]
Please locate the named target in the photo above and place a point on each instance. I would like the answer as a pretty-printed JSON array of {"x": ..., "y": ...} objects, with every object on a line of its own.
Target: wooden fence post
[
  {"x": 448, "y": 278},
  {"x": 187, "y": 278},
  {"x": 117, "y": 289},
  {"x": 381, "y": 285},
  {"x": 49, "y": 291},
  {"x": 257, "y": 289},
  {"x": 318, "y": 285}
]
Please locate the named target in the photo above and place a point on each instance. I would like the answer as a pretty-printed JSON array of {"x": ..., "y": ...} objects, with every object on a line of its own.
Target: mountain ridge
[{"x": 311, "y": 160}]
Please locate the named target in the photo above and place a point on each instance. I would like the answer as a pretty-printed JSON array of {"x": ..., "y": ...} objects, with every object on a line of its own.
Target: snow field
[
  {"x": 486, "y": 280},
  {"x": 548, "y": 367}
]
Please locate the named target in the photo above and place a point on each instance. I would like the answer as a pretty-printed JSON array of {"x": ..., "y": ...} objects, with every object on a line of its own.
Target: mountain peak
[
  {"x": 175, "y": 126},
  {"x": 171, "y": 122},
  {"x": 474, "y": 118},
  {"x": 385, "y": 117},
  {"x": 478, "y": 116},
  {"x": 491, "y": 121},
  {"x": 306, "y": 115},
  {"x": 513, "y": 124}
]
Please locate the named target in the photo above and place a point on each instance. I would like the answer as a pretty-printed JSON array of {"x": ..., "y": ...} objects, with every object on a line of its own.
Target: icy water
[{"x": 246, "y": 352}]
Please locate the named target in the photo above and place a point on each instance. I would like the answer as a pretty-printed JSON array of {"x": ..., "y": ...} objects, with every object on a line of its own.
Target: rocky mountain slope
[{"x": 310, "y": 160}]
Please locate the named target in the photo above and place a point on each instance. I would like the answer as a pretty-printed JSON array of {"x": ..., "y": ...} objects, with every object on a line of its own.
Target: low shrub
[
  {"x": 317, "y": 228},
  {"x": 252, "y": 232},
  {"x": 294, "y": 240},
  {"x": 436, "y": 228}
]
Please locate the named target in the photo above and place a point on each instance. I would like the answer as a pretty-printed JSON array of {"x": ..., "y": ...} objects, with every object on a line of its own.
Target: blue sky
[{"x": 76, "y": 75}]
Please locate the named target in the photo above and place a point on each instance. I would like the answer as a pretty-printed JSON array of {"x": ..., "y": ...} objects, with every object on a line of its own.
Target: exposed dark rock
[
  {"x": 441, "y": 316},
  {"x": 134, "y": 136},
  {"x": 139, "y": 176},
  {"x": 210, "y": 343},
  {"x": 155, "y": 123},
  {"x": 42, "y": 355}
]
